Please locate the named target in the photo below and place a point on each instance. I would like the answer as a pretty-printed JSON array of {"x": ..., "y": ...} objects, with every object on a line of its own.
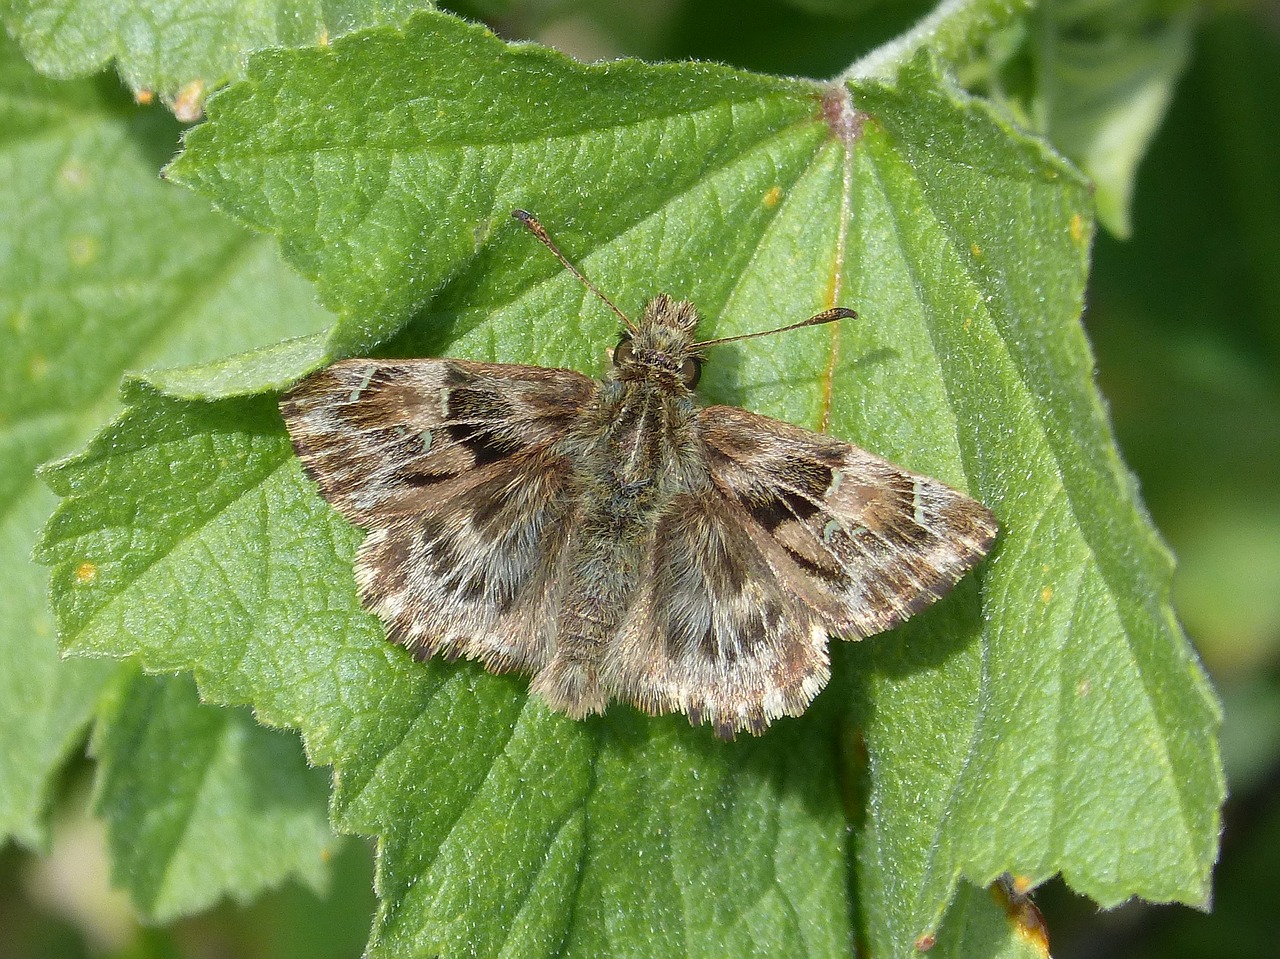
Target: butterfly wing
[
  {"x": 452, "y": 467},
  {"x": 798, "y": 535},
  {"x": 715, "y": 633},
  {"x": 865, "y": 543}
]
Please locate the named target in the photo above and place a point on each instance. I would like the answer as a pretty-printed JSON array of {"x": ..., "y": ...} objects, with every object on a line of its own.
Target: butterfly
[{"x": 612, "y": 538}]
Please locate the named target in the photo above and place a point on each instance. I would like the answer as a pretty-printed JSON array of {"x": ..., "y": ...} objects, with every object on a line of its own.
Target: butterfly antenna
[
  {"x": 826, "y": 316},
  {"x": 538, "y": 230}
]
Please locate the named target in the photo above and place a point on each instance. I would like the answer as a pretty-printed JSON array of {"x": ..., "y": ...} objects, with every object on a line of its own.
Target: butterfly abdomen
[{"x": 627, "y": 476}]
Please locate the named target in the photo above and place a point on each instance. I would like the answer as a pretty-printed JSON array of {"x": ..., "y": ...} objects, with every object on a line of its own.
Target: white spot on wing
[
  {"x": 392, "y": 606},
  {"x": 811, "y": 686}
]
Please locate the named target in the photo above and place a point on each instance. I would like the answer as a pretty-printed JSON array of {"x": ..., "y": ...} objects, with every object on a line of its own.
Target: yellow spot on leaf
[
  {"x": 1084, "y": 688},
  {"x": 323, "y": 39},
  {"x": 188, "y": 105},
  {"x": 82, "y": 249},
  {"x": 975, "y": 250},
  {"x": 968, "y": 323},
  {"x": 85, "y": 572},
  {"x": 1077, "y": 227},
  {"x": 1046, "y": 594},
  {"x": 144, "y": 97},
  {"x": 925, "y": 941},
  {"x": 773, "y": 196}
]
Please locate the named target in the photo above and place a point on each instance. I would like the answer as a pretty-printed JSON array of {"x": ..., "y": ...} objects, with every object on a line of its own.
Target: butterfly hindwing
[
  {"x": 479, "y": 574},
  {"x": 715, "y": 634}
]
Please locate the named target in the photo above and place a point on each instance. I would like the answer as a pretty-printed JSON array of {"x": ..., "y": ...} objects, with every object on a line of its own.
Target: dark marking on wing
[
  {"x": 481, "y": 421},
  {"x": 420, "y": 475},
  {"x": 438, "y": 552},
  {"x": 831, "y": 573},
  {"x": 707, "y": 645},
  {"x": 801, "y": 484}
]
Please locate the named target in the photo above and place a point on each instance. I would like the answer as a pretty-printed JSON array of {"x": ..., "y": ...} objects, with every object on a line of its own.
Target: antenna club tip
[{"x": 524, "y": 216}]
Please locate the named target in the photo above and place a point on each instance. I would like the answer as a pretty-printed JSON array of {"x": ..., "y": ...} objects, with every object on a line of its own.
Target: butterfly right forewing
[{"x": 866, "y": 543}]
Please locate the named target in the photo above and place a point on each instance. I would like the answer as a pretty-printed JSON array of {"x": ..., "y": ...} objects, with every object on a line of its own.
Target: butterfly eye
[
  {"x": 691, "y": 372},
  {"x": 622, "y": 352}
]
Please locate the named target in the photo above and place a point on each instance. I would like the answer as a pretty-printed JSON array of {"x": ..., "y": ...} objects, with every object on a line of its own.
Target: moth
[{"x": 615, "y": 540}]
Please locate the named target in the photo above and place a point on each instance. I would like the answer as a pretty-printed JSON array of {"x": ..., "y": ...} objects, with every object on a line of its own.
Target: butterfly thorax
[
  {"x": 645, "y": 423},
  {"x": 635, "y": 451},
  {"x": 644, "y": 450}
]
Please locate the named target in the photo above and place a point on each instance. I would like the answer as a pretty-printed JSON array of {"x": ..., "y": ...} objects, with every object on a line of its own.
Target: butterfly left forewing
[
  {"x": 866, "y": 542},
  {"x": 382, "y": 437}
]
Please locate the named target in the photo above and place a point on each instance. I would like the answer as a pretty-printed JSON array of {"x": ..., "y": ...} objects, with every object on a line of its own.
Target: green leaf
[
  {"x": 1111, "y": 80},
  {"x": 956, "y": 31},
  {"x": 102, "y": 268},
  {"x": 1108, "y": 85},
  {"x": 1104, "y": 74},
  {"x": 242, "y": 374},
  {"x": 1093, "y": 77},
  {"x": 1047, "y": 717},
  {"x": 180, "y": 52},
  {"x": 1079, "y": 734},
  {"x": 44, "y": 705},
  {"x": 202, "y": 801}
]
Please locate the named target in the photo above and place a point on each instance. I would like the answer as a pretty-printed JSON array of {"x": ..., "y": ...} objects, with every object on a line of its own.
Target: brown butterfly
[{"x": 613, "y": 539}]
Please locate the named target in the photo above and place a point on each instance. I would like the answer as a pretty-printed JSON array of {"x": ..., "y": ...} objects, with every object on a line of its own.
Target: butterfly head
[{"x": 660, "y": 348}]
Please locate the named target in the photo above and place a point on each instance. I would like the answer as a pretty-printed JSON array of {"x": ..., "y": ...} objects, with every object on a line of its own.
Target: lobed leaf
[
  {"x": 1095, "y": 78},
  {"x": 1102, "y": 76},
  {"x": 202, "y": 802},
  {"x": 102, "y": 268},
  {"x": 1049, "y": 716},
  {"x": 178, "y": 51}
]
